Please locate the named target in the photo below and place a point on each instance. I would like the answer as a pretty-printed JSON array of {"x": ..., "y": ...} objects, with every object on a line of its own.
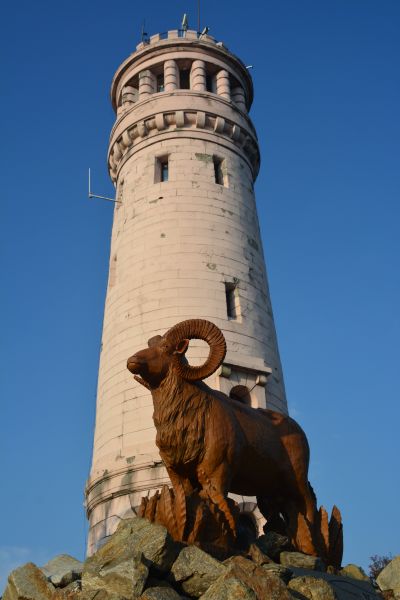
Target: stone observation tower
[{"x": 184, "y": 156}]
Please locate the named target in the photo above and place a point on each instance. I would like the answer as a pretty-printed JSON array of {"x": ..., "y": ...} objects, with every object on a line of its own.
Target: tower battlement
[{"x": 189, "y": 83}]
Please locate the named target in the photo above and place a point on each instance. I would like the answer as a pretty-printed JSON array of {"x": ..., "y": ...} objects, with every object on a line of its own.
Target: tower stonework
[{"x": 184, "y": 156}]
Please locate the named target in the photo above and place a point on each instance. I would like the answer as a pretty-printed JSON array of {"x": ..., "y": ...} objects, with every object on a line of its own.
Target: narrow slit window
[
  {"x": 161, "y": 173},
  {"x": 209, "y": 83},
  {"x": 220, "y": 171},
  {"x": 184, "y": 77},
  {"x": 160, "y": 82},
  {"x": 231, "y": 301}
]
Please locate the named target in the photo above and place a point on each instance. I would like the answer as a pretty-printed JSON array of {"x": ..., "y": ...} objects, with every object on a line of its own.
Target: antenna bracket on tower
[{"x": 91, "y": 195}]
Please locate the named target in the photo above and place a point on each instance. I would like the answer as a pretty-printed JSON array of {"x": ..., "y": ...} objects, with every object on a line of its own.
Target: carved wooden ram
[{"x": 214, "y": 444}]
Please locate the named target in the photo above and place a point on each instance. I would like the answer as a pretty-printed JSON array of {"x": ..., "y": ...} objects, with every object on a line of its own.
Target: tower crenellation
[{"x": 183, "y": 155}]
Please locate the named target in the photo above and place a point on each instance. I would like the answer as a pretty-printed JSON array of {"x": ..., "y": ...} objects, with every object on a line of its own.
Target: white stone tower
[{"x": 185, "y": 244}]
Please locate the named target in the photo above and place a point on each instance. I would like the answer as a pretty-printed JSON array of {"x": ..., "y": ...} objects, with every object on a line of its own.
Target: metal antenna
[
  {"x": 198, "y": 16},
  {"x": 144, "y": 33},
  {"x": 91, "y": 195}
]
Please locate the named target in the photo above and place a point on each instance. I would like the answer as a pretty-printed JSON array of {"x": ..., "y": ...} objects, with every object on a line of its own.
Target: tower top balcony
[
  {"x": 185, "y": 47},
  {"x": 181, "y": 84}
]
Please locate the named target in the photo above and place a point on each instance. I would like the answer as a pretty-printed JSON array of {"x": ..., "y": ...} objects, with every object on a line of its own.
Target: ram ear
[{"x": 181, "y": 347}]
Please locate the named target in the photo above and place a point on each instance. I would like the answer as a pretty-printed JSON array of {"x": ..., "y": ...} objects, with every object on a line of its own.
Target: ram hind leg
[
  {"x": 215, "y": 488},
  {"x": 299, "y": 516}
]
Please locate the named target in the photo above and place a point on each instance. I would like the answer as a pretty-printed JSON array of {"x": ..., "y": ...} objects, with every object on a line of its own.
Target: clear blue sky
[{"x": 327, "y": 113}]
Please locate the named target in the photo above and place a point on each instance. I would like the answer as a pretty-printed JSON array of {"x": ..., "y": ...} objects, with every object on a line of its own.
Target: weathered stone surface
[
  {"x": 389, "y": 577},
  {"x": 98, "y": 595},
  {"x": 228, "y": 587},
  {"x": 258, "y": 556},
  {"x": 196, "y": 570},
  {"x": 122, "y": 574},
  {"x": 28, "y": 583},
  {"x": 355, "y": 572},
  {"x": 74, "y": 586},
  {"x": 304, "y": 561},
  {"x": 263, "y": 583},
  {"x": 133, "y": 536},
  {"x": 62, "y": 570},
  {"x": 344, "y": 588},
  {"x": 160, "y": 593},
  {"x": 272, "y": 544},
  {"x": 311, "y": 588},
  {"x": 283, "y": 572}
]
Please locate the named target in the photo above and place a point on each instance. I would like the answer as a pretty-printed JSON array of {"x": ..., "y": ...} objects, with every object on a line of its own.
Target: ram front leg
[
  {"x": 216, "y": 488},
  {"x": 180, "y": 503}
]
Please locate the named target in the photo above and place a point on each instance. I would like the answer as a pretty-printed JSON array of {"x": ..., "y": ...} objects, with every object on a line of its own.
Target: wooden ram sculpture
[{"x": 212, "y": 444}]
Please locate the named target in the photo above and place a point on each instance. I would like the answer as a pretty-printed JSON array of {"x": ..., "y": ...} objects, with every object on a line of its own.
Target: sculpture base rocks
[{"x": 142, "y": 561}]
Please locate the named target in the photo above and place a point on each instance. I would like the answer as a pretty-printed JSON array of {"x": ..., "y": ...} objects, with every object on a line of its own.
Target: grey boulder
[
  {"x": 303, "y": 561},
  {"x": 160, "y": 593},
  {"x": 124, "y": 573},
  {"x": 62, "y": 570},
  {"x": 196, "y": 570},
  {"x": 229, "y": 587},
  {"x": 311, "y": 588},
  {"x": 28, "y": 583},
  {"x": 354, "y": 572},
  {"x": 389, "y": 577}
]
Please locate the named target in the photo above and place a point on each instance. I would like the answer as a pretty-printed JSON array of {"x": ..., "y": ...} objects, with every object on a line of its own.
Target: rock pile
[{"x": 141, "y": 561}]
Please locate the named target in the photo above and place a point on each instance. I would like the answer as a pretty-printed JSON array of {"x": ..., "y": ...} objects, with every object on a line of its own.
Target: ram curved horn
[{"x": 198, "y": 329}]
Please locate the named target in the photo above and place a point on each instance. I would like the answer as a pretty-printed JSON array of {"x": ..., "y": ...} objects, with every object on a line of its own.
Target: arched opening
[{"x": 240, "y": 393}]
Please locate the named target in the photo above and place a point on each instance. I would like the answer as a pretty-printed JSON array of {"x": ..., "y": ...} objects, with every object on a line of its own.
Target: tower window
[
  {"x": 160, "y": 82},
  {"x": 232, "y": 301},
  {"x": 184, "y": 77},
  {"x": 209, "y": 83},
  {"x": 220, "y": 174},
  {"x": 161, "y": 172}
]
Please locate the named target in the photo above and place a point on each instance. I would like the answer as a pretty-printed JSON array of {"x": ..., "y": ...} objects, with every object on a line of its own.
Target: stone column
[
  {"x": 239, "y": 98},
  {"x": 171, "y": 76},
  {"x": 223, "y": 84},
  {"x": 198, "y": 76},
  {"x": 146, "y": 84}
]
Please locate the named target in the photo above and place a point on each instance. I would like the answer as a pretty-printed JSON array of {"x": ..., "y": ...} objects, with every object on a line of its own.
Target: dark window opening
[
  {"x": 160, "y": 82},
  {"x": 231, "y": 301},
  {"x": 184, "y": 77},
  {"x": 209, "y": 83},
  {"x": 240, "y": 393},
  {"x": 219, "y": 170},
  {"x": 161, "y": 169},
  {"x": 164, "y": 170}
]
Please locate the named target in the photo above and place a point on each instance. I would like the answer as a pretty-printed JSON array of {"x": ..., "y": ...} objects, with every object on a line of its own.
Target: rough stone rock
[
  {"x": 389, "y": 577},
  {"x": 304, "y": 561},
  {"x": 263, "y": 583},
  {"x": 354, "y": 572},
  {"x": 28, "y": 583},
  {"x": 124, "y": 574},
  {"x": 132, "y": 537},
  {"x": 228, "y": 587},
  {"x": 311, "y": 588},
  {"x": 196, "y": 570},
  {"x": 62, "y": 570},
  {"x": 283, "y": 572},
  {"x": 258, "y": 556},
  {"x": 272, "y": 544},
  {"x": 160, "y": 593},
  {"x": 98, "y": 595},
  {"x": 344, "y": 588},
  {"x": 74, "y": 586}
]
